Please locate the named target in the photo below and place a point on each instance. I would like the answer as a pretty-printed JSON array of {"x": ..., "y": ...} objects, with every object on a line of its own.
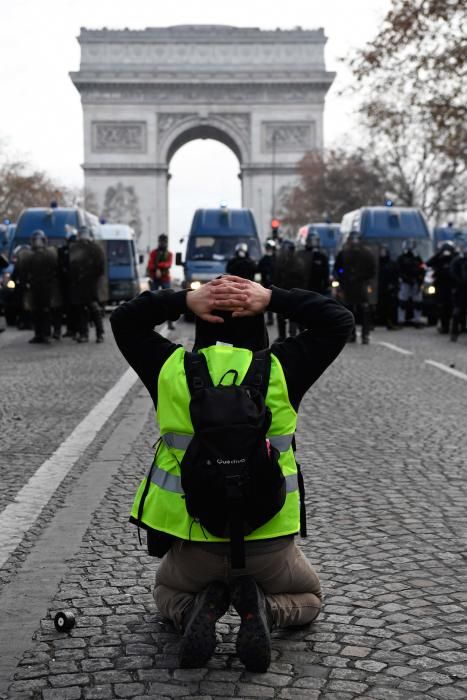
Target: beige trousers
[{"x": 291, "y": 585}]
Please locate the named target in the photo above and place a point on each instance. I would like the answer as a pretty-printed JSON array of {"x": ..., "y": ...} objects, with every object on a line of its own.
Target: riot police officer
[
  {"x": 289, "y": 273},
  {"x": 38, "y": 272},
  {"x": 64, "y": 279},
  {"x": 441, "y": 263},
  {"x": 87, "y": 265},
  {"x": 411, "y": 275},
  {"x": 266, "y": 270},
  {"x": 459, "y": 277},
  {"x": 354, "y": 267},
  {"x": 388, "y": 283},
  {"x": 316, "y": 265},
  {"x": 241, "y": 264}
]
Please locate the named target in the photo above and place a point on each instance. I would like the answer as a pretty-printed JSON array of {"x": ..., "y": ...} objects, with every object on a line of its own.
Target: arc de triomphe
[{"x": 145, "y": 93}]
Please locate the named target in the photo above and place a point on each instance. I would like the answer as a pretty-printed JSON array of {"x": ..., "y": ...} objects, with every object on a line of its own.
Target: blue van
[
  {"x": 122, "y": 264},
  {"x": 8, "y": 295},
  {"x": 211, "y": 243},
  {"x": 449, "y": 233},
  {"x": 56, "y": 222},
  {"x": 389, "y": 226}
]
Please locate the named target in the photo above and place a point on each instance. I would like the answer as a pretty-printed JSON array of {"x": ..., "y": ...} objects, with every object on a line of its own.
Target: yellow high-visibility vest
[{"x": 164, "y": 505}]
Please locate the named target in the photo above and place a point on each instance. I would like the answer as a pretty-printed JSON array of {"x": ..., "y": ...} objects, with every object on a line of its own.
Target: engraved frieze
[
  {"x": 118, "y": 137},
  {"x": 287, "y": 136},
  {"x": 167, "y": 121}
]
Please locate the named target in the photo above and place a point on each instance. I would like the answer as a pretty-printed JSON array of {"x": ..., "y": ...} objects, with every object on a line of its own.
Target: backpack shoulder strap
[
  {"x": 196, "y": 371},
  {"x": 259, "y": 370}
]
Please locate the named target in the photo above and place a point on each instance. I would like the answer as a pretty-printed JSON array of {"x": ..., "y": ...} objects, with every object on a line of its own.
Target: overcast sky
[{"x": 41, "y": 119}]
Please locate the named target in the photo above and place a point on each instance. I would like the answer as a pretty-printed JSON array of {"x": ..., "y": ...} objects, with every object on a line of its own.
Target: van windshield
[
  {"x": 119, "y": 252},
  {"x": 220, "y": 247}
]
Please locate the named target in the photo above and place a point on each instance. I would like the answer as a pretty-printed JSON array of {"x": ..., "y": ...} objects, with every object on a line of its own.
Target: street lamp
[{"x": 273, "y": 198}]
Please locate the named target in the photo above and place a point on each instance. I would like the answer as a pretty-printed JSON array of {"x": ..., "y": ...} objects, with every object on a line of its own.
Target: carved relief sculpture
[
  {"x": 283, "y": 136},
  {"x": 121, "y": 206},
  {"x": 116, "y": 137}
]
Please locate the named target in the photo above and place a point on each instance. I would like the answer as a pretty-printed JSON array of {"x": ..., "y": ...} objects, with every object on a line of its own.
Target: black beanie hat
[{"x": 247, "y": 332}]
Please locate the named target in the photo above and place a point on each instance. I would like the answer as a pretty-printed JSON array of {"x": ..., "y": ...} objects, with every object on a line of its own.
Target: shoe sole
[
  {"x": 253, "y": 638},
  {"x": 199, "y": 638},
  {"x": 198, "y": 642}
]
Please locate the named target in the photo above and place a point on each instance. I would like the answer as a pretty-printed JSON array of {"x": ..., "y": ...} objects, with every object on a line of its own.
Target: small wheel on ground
[{"x": 64, "y": 621}]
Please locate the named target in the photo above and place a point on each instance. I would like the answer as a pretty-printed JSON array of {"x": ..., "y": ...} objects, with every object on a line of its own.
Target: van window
[
  {"x": 119, "y": 252},
  {"x": 220, "y": 247}
]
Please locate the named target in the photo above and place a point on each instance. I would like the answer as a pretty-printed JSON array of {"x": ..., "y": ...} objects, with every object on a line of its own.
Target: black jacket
[
  {"x": 303, "y": 358},
  {"x": 242, "y": 267}
]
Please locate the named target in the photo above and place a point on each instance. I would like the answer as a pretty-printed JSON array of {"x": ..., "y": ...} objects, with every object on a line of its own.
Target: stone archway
[{"x": 146, "y": 93}]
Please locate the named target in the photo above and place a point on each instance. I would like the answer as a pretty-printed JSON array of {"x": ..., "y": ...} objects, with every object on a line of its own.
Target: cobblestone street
[{"x": 382, "y": 441}]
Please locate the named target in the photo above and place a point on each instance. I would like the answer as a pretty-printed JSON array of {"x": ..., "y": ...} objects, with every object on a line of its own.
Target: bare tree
[
  {"x": 331, "y": 184},
  {"x": 21, "y": 188},
  {"x": 413, "y": 79}
]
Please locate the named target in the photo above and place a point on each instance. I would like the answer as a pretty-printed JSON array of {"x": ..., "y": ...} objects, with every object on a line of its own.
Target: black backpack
[{"x": 230, "y": 473}]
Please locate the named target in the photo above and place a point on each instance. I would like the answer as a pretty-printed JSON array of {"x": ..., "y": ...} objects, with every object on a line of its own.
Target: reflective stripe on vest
[
  {"x": 180, "y": 441},
  {"x": 173, "y": 483}
]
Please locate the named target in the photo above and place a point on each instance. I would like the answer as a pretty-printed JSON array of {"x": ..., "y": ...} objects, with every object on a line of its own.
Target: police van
[
  {"x": 119, "y": 243},
  {"x": 389, "y": 226},
  {"x": 55, "y": 222},
  {"x": 213, "y": 236}
]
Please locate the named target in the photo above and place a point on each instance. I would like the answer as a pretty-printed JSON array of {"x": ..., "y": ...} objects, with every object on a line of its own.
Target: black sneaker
[
  {"x": 253, "y": 639},
  {"x": 199, "y": 634}
]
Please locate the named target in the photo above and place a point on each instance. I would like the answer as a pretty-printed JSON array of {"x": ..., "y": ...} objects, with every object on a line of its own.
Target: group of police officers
[
  {"x": 59, "y": 287},
  {"x": 399, "y": 281}
]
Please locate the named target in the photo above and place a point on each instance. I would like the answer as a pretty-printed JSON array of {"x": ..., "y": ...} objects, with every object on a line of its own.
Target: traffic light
[{"x": 275, "y": 223}]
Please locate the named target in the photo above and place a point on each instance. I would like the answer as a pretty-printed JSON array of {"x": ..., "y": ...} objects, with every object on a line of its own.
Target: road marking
[
  {"x": 19, "y": 516},
  {"x": 445, "y": 368},
  {"x": 27, "y": 597},
  {"x": 403, "y": 351}
]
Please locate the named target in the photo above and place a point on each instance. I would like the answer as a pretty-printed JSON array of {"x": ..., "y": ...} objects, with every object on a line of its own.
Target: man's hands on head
[{"x": 228, "y": 293}]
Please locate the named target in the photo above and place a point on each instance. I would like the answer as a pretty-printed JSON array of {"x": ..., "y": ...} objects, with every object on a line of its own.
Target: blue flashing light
[
  {"x": 102, "y": 220},
  {"x": 7, "y": 222},
  {"x": 389, "y": 203},
  {"x": 340, "y": 270}
]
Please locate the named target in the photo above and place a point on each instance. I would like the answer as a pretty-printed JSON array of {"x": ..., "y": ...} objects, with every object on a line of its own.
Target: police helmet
[
  {"x": 287, "y": 245},
  {"x": 38, "y": 239},
  {"x": 312, "y": 240},
  {"x": 409, "y": 245},
  {"x": 84, "y": 233},
  {"x": 241, "y": 250},
  {"x": 270, "y": 244},
  {"x": 355, "y": 236},
  {"x": 71, "y": 234},
  {"x": 446, "y": 247}
]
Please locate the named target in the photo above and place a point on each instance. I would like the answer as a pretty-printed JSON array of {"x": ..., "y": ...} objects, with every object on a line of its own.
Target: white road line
[
  {"x": 394, "y": 347},
  {"x": 19, "y": 516},
  {"x": 445, "y": 368}
]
